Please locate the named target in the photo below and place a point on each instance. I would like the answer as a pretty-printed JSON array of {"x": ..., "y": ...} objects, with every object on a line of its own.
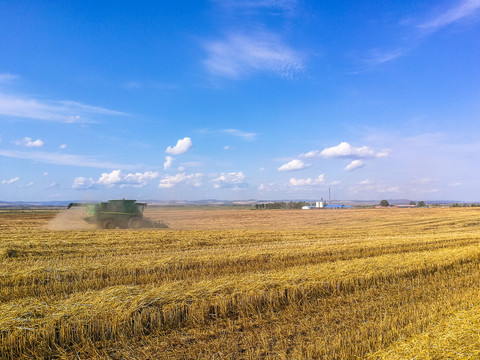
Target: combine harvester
[{"x": 118, "y": 213}]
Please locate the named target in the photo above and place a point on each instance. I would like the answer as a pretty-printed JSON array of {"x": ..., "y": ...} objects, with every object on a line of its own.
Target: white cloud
[
  {"x": 383, "y": 153},
  {"x": 464, "y": 9},
  {"x": 240, "y": 54},
  {"x": 63, "y": 146},
  {"x": 82, "y": 183},
  {"x": 293, "y": 166},
  {"x": 33, "y": 143},
  {"x": 30, "y": 184},
  {"x": 230, "y": 180},
  {"x": 183, "y": 145},
  {"x": 320, "y": 179},
  {"x": 355, "y": 164},
  {"x": 168, "y": 162},
  {"x": 27, "y": 141},
  {"x": 138, "y": 180},
  {"x": 110, "y": 179},
  {"x": 135, "y": 180},
  {"x": 10, "y": 181},
  {"x": 170, "y": 181},
  {"x": 62, "y": 159},
  {"x": 345, "y": 150},
  {"x": 114, "y": 178},
  {"x": 61, "y": 111}
]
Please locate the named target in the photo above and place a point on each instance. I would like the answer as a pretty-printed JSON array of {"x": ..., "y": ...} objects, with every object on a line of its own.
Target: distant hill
[
  {"x": 215, "y": 202},
  {"x": 20, "y": 204}
]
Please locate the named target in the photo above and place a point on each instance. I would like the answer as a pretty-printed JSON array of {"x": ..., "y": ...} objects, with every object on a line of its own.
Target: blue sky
[{"x": 266, "y": 99}]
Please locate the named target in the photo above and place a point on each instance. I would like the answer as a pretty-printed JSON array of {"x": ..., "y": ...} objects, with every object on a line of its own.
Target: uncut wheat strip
[{"x": 131, "y": 310}]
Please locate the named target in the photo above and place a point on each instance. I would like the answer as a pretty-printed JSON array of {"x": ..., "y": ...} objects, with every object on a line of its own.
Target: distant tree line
[
  {"x": 420, "y": 203},
  {"x": 282, "y": 205},
  {"x": 464, "y": 205},
  {"x": 385, "y": 203}
]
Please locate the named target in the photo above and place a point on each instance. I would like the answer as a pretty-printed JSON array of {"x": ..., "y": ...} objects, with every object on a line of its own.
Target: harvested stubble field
[{"x": 241, "y": 284}]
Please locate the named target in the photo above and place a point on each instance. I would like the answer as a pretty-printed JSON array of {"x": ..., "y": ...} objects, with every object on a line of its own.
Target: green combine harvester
[{"x": 117, "y": 213}]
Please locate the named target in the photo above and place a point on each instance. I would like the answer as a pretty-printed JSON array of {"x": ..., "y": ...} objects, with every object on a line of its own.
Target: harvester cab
[{"x": 114, "y": 213}]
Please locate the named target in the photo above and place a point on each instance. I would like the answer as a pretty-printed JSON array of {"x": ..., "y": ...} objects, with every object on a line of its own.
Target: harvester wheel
[
  {"x": 135, "y": 222},
  {"x": 109, "y": 224}
]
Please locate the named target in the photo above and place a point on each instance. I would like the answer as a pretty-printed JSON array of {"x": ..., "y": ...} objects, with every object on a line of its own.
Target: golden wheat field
[{"x": 243, "y": 284}]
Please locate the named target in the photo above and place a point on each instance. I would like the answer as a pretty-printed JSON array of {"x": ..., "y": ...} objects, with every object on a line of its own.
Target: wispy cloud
[
  {"x": 287, "y": 5},
  {"x": 169, "y": 181},
  {"x": 368, "y": 186},
  {"x": 142, "y": 85},
  {"x": 464, "y": 9},
  {"x": 60, "y": 111},
  {"x": 283, "y": 8},
  {"x": 62, "y": 159},
  {"x": 240, "y": 54},
  {"x": 10, "y": 181},
  {"x": 248, "y": 136},
  {"x": 245, "y": 135},
  {"x": 378, "y": 57},
  {"x": 7, "y": 78}
]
